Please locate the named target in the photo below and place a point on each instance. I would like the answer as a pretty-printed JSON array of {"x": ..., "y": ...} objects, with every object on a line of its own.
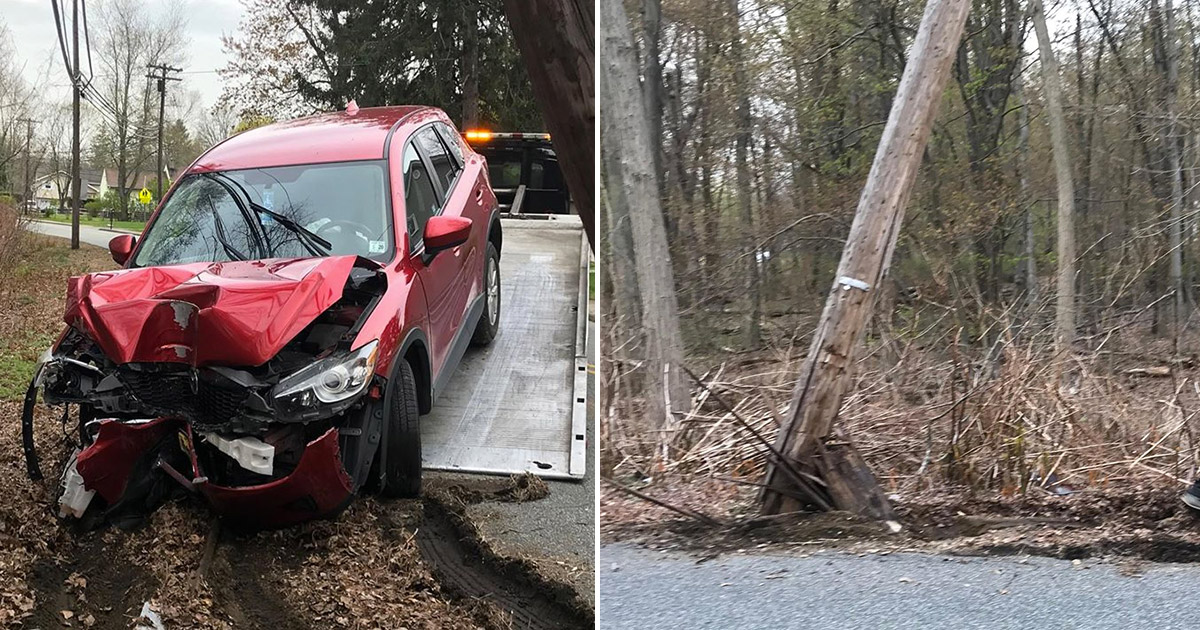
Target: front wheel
[
  {"x": 489, "y": 321},
  {"x": 402, "y": 477}
]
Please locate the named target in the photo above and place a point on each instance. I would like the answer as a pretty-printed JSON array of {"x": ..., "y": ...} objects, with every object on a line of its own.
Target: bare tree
[
  {"x": 745, "y": 125},
  {"x": 1172, "y": 140},
  {"x": 1064, "y": 311},
  {"x": 631, "y": 189},
  {"x": 15, "y": 101},
  {"x": 130, "y": 36},
  {"x": 216, "y": 124}
]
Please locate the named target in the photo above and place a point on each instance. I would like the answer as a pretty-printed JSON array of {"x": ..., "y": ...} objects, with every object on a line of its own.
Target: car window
[
  {"x": 444, "y": 166},
  {"x": 453, "y": 141},
  {"x": 191, "y": 224},
  {"x": 536, "y": 170},
  {"x": 504, "y": 167},
  {"x": 344, "y": 203},
  {"x": 420, "y": 200}
]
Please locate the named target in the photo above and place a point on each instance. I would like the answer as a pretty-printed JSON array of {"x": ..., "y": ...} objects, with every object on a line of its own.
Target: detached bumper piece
[
  {"x": 318, "y": 488},
  {"x": 135, "y": 466}
]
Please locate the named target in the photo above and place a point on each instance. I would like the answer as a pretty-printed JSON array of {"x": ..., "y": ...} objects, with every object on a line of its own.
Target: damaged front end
[{"x": 243, "y": 381}]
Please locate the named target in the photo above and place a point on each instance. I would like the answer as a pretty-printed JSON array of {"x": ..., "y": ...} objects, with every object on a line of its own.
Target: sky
[{"x": 31, "y": 27}]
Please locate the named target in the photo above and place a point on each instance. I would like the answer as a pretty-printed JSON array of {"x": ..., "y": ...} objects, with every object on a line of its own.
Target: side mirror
[
  {"x": 442, "y": 232},
  {"x": 121, "y": 247}
]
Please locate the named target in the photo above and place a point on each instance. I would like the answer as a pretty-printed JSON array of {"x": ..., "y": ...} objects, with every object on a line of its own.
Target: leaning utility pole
[
  {"x": 77, "y": 85},
  {"x": 28, "y": 158},
  {"x": 162, "y": 79},
  {"x": 810, "y": 466}
]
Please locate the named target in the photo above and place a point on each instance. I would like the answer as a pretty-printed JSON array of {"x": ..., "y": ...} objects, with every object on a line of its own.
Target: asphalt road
[
  {"x": 87, "y": 234},
  {"x": 641, "y": 588},
  {"x": 560, "y": 527}
]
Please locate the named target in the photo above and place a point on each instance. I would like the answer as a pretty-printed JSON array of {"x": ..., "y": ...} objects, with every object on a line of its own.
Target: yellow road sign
[{"x": 144, "y": 195}]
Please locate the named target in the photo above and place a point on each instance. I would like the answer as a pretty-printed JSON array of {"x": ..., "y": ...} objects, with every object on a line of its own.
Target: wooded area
[{"x": 1042, "y": 284}]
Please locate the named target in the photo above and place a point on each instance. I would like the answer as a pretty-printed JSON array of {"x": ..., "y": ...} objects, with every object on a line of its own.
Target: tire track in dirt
[
  {"x": 87, "y": 583},
  {"x": 464, "y": 568},
  {"x": 243, "y": 591}
]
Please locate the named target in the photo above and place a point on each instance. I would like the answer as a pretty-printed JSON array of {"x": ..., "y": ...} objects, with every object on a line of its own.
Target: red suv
[{"x": 294, "y": 305}]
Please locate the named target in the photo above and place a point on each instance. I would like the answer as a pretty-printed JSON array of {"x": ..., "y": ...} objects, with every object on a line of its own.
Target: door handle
[{"x": 479, "y": 193}]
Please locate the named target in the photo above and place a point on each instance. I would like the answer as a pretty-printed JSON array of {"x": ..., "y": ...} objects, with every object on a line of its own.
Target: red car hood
[{"x": 237, "y": 313}]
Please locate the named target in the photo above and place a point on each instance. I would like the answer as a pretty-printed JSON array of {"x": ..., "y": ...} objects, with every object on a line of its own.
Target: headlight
[
  {"x": 41, "y": 364},
  {"x": 330, "y": 380}
]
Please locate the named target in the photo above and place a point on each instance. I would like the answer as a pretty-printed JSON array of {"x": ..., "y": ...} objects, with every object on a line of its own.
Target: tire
[
  {"x": 402, "y": 477},
  {"x": 489, "y": 321}
]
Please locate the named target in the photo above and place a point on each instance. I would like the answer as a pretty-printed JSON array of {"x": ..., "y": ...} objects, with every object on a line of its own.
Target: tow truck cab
[{"x": 524, "y": 172}]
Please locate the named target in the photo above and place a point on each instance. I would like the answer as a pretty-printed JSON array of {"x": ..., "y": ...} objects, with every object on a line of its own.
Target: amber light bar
[{"x": 483, "y": 135}]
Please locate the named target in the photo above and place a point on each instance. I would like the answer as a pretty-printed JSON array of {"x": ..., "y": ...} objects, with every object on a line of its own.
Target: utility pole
[
  {"x": 28, "y": 158},
  {"x": 812, "y": 465},
  {"x": 162, "y": 78},
  {"x": 77, "y": 84}
]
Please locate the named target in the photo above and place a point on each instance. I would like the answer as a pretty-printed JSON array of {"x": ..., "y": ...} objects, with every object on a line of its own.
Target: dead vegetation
[{"x": 943, "y": 413}]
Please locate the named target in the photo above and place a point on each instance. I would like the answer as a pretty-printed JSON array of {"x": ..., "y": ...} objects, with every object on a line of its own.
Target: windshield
[{"x": 212, "y": 217}]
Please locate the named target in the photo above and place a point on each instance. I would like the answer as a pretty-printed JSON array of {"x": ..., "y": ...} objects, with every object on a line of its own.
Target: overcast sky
[{"x": 31, "y": 26}]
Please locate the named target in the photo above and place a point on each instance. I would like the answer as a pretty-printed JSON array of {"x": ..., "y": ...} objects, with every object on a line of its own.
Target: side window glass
[
  {"x": 452, "y": 141},
  {"x": 536, "y": 172},
  {"x": 444, "y": 167},
  {"x": 420, "y": 200}
]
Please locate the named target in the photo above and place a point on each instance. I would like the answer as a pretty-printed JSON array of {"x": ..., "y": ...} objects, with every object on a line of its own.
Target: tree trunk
[
  {"x": 623, "y": 270},
  {"x": 751, "y": 332},
  {"x": 470, "y": 64},
  {"x": 1029, "y": 257},
  {"x": 804, "y": 439},
  {"x": 556, "y": 42},
  {"x": 652, "y": 77},
  {"x": 1172, "y": 142},
  {"x": 1064, "y": 310},
  {"x": 629, "y": 181}
]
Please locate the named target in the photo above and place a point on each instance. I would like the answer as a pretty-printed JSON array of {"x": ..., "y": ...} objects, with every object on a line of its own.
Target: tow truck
[{"x": 520, "y": 404}]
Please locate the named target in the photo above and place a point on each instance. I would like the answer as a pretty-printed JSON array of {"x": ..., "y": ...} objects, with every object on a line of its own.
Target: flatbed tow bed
[{"x": 520, "y": 404}]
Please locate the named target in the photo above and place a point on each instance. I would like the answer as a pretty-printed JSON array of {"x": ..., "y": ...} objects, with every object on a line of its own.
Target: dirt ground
[
  {"x": 1126, "y": 526},
  {"x": 380, "y": 564}
]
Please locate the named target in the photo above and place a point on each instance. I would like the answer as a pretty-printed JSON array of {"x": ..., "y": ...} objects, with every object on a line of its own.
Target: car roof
[{"x": 332, "y": 137}]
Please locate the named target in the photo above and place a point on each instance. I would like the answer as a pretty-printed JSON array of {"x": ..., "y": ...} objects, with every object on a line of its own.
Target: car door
[
  {"x": 429, "y": 191},
  {"x": 474, "y": 202}
]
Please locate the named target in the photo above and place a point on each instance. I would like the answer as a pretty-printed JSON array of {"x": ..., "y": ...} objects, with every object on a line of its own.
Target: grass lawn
[
  {"x": 97, "y": 222},
  {"x": 32, "y": 300}
]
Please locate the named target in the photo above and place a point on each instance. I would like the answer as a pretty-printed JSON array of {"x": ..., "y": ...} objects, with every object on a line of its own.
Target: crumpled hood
[{"x": 238, "y": 313}]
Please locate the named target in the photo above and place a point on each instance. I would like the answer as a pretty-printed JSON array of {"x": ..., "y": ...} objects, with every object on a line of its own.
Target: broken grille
[{"x": 171, "y": 393}]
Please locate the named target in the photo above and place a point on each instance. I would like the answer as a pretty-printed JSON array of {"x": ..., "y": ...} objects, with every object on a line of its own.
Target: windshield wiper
[
  {"x": 307, "y": 237},
  {"x": 232, "y": 251},
  {"x": 220, "y": 225}
]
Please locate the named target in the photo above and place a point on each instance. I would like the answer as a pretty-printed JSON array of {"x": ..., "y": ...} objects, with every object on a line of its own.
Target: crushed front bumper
[{"x": 318, "y": 487}]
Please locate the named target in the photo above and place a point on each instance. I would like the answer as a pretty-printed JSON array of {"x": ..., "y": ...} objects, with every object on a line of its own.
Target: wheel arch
[
  {"x": 415, "y": 351},
  {"x": 495, "y": 235}
]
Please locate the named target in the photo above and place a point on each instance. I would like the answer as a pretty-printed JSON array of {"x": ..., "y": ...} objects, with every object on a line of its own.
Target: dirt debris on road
[{"x": 1135, "y": 524}]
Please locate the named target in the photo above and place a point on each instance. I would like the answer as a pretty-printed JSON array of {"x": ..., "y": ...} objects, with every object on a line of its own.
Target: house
[{"x": 47, "y": 186}]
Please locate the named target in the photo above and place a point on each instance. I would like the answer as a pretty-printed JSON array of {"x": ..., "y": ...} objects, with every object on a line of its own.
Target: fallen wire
[
  {"x": 801, "y": 479},
  {"x": 703, "y": 518}
]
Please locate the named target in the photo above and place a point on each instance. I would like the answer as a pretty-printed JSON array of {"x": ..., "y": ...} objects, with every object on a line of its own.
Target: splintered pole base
[{"x": 842, "y": 478}]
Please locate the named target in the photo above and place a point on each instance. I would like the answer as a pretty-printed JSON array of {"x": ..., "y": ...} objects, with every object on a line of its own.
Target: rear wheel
[
  {"x": 489, "y": 321},
  {"x": 402, "y": 474}
]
